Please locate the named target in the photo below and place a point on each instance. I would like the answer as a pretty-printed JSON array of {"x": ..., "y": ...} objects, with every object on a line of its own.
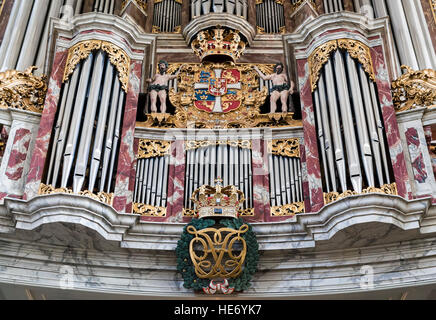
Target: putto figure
[
  {"x": 281, "y": 88},
  {"x": 159, "y": 86}
]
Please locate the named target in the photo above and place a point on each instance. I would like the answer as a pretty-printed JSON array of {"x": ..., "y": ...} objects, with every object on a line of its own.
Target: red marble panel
[
  {"x": 4, "y": 17},
  {"x": 18, "y": 154},
  {"x": 430, "y": 18},
  {"x": 261, "y": 193},
  {"x": 39, "y": 153},
  {"x": 390, "y": 121}
]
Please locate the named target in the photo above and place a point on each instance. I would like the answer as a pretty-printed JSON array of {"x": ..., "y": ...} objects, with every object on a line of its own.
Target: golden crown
[
  {"x": 219, "y": 42},
  {"x": 217, "y": 201}
]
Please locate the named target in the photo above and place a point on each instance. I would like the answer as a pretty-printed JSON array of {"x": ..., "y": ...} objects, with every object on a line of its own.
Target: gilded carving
[
  {"x": 101, "y": 196},
  {"x": 22, "y": 90},
  {"x": 153, "y": 148},
  {"x": 117, "y": 57},
  {"x": 193, "y": 145},
  {"x": 321, "y": 56},
  {"x": 288, "y": 210},
  {"x": 141, "y": 3},
  {"x": 335, "y": 196},
  {"x": 191, "y": 213},
  {"x": 218, "y": 247},
  {"x": 286, "y": 147},
  {"x": 297, "y": 4},
  {"x": 433, "y": 8},
  {"x": 414, "y": 89},
  {"x": 149, "y": 211}
]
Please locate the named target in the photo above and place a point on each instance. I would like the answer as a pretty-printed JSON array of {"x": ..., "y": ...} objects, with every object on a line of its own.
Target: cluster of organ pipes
[
  {"x": 231, "y": 164},
  {"x": 270, "y": 16},
  {"x": 167, "y": 15},
  {"x": 286, "y": 182},
  {"x": 86, "y": 137},
  {"x": 151, "y": 182},
  {"x": 350, "y": 131},
  {"x": 235, "y": 7}
]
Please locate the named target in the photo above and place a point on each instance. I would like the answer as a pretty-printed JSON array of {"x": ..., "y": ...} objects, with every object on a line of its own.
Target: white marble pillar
[{"x": 402, "y": 35}]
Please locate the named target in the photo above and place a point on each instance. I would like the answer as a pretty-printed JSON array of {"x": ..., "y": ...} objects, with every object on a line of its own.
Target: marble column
[
  {"x": 39, "y": 153},
  {"x": 390, "y": 123},
  {"x": 261, "y": 192},
  {"x": 419, "y": 166},
  {"x": 123, "y": 195},
  {"x": 430, "y": 19},
  {"x": 5, "y": 16},
  {"x": 176, "y": 182},
  {"x": 150, "y": 11},
  {"x": 252, "y": 14},
  {"x": 186, "y": 13},
  {"x": 315, "y": 200}
]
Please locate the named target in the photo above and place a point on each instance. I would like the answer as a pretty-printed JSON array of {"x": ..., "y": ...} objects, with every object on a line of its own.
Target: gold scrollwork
[
  {"x": 335, "y": 196},
  {"x": 117, "y": 57},
  {"x": 286, "y": 148},
  {"x": 321, "y": 55},
  {"x": 101, "y": 196},
  {"x": 191, "y": 213},
  {"x": 414, "y": 89},
  {"x": 213, "y": 252},
  {"x": 288, "y": 210},
  {"x": 153, "y": 148},
  {"x": 141, "y": 3},
  {"x": 149, "y": 211},
  {"x": 297, "y": 4},
  {"x": 22, "y": 90},
  {"x": 193, "y": 145}
]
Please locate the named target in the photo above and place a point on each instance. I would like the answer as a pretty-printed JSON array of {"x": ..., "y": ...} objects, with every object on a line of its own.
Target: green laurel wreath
[{"x": 186, "y": 268}]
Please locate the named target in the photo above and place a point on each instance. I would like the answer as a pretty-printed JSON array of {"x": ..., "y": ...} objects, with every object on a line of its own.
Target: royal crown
[
  {"x": 217, "y": 201},
  {"x": 218, "y": 42}
]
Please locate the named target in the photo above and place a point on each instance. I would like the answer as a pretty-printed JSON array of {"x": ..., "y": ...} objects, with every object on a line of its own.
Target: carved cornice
[
  {"x": 295, "y": 6},
  {"x": 288, "y": 210},
  {"x": 193, "y": 145},
  {"x": 117, "y": 57},
  {"x": 286, "y": 148},
  {"x": 22, "y": 90},
  {"x": 321, "y": 56},
  {"x": 153, "y": 148},
  {"x": 149, "y": 211},
  {"x": 414, "y": 89},
  {"x": 335, "y": 196},
  {"x": 191, "y": 213},
  {"x": 141, "y": 3},
  {"x": 101, "y": 196}
]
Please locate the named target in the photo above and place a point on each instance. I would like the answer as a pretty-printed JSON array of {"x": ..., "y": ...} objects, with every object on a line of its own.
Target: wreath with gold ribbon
[{"x": 186, "y": 267}]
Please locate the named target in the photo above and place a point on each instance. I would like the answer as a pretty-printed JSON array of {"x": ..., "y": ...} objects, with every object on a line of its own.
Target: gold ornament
[
  {"x": 414, "y": 89},
  {"x": 213, "y": 252},
  {"x": 141, "y": 3},
  {"x": 335, "y": 196},
  {"x": 117, "y": 57},
  {"x": 149, "y": 211},
  {"x": 101, "y": 196},
  {"x": 22, "y": 90},
  {"x": 193, "y": 145},
  {"x": 288, "y": 210},
  {"x": 296, "y": 5},
  {"x": 153, "y": 148},
  {"x": 321, "y": 55},
  {"x": 286, "y": 148}
]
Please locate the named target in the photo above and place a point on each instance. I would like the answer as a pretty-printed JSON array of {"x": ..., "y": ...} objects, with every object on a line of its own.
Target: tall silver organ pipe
[
  {"x": 270, "y": 16},
  {"x": 232, "y": 164},
  {"x": 286, "y": 183},
  {"x": 167, "y": 15},
  {"x": 352, "y": 143},
  {"x": 84, "y": 149},
  {"x": 235, "y": 7}
]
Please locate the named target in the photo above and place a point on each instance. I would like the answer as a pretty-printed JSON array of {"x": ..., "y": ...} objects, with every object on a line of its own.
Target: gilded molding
[
  {"x": 295, "y": 6},
  {"x": 193, "y": 145},
  {"x": 117, "y": 57},
  {"x": 141, "y": 3},
  {"x": 149, "y": 211},
  {"x": 286, "y": 148},
  {"x": 414, "y": 89},
  {"x": 191, "y": 213},
  {"x": 22, "y": 90},
  {"x": 321, "y": 55},
  {"x": 335, "y": 196},
  {"x": 101, "y": 196},
  {"x": 153, "y": 148},
  {"x": 288, "y": 210}
]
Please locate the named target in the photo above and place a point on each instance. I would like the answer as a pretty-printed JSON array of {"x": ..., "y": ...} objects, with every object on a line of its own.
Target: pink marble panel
[
  {"x": 18, "y": 154},
  {"x": 176, "y": 183},
  {"x": 390, "y": 122},
  {"x": 123, "y": 197},
  {"x": 39, "y": 153},
  {"x": 311, "y": 161},
  {"x": 417, "y": 159},
  {"x": 261, "y": 192}
]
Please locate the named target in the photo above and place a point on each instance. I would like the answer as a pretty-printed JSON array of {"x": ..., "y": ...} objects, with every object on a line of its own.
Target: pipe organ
[
  {"x": 333, "y": 5},
  {"x": 86, "y": 136},
  {"x": 167, "y": 16},
  {"x": 229, "y": 161},
  {"x": 235, "y": 7},
  {"x": 352, "y": 142},
  {"x": 270, "y": 16}
]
